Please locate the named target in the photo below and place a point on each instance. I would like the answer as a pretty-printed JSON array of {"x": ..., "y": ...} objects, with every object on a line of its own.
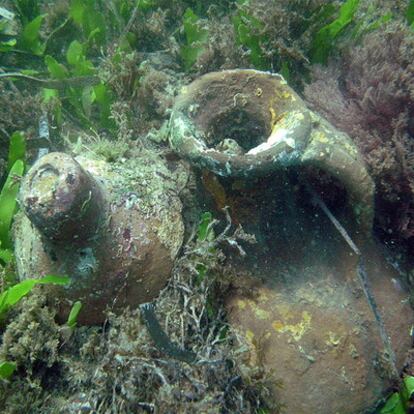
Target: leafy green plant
[
  {"x": 80, "y": 98},
  {"x": 89, "y": 100},
  {"x": 325, "y": 38},
  {"x": 363, "y": 27},
  {"x": 285, "y": 48},
  {"x": 8, "y": 196},
  {"x": 7, "y": 30},
  {"x": 17, "y": 149},
  {"x": 29, "y": 39},
  {"x": 204, "y": 227},
  {"x": 27, "y": 10},
  {"x": 94, "y": 24},
  {"x": 89, "y": 19},
  {"x": 205, "y": 235},
  {"x": 7, "y": 369},
  {"x": 83, "y": 98},
  {"x": 196, "y": 39},
  {"x": 8, "y": 193},
  {"x": 410, "y": 13},
  {"x": 76, "y": 58},
  {"x": 15, "y": 293},
  {"x": 397, "y": 403},
  {"x": 73, "y": 315},
  {"x": 247, "y": 29}
]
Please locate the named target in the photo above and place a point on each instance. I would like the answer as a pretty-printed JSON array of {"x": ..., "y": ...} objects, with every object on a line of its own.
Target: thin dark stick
[{"x": 363, "y": 280}]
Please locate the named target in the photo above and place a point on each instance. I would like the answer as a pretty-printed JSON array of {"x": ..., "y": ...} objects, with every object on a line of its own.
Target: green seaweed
[
  {"x": 103, "y": 97},
  {"x": 6, "y": 256},
  {"x": 204, "y": 226},
  {"x": 82, "y": 98},
  {"x": 410, "y": 13},
  {"x": 51, "y": 99},
  {"x": 17, "y": 149},
  {"x": 366, "y": 24},
  {"x": 146, "y": 5},
  {"x": 394, "y": 405},
  {"x": 28, "y": 40},
  {"x": 15, "y": 293},
  {"x": 30, "y": 37},
  {"x": 86, "y": 15},
  {"x": 325, "y": 38},
  {"x": 56, "y": 69},
  {"x": 27, "y": 10},
  {"x": 76, "y": 58},
  {"x": 6, "y": 45},
  {"x": 8, "y": 194},
  {"x": 196, "y": 38},
  {"x": 6, "y": 369},
  {"x": 7, "y": 30},
  {"x": 91, "y": 24},
  {"x": 247, "y": 29},
  {"x": 397, "y": 403},
  {"x": 201, "y": 273},
  {"x": 73, "y": 315},
  {"x": 8, "y": 202}
]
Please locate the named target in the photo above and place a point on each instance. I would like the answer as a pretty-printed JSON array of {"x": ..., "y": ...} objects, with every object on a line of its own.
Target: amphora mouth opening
[{"x": 247, "y": 124}]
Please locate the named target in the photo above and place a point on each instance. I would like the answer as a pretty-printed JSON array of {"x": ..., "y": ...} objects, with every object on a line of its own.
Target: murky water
[{"x": 225, "y": 191}]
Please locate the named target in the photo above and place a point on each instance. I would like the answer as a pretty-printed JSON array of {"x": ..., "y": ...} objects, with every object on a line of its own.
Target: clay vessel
[
  {"x": 79, "y": 220},
  {"x": 329, "y": 343}
]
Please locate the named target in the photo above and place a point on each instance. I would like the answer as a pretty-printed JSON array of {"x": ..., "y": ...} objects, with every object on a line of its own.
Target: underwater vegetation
[
  {"x": 103, "y": 76},
  {"x": 370, "y": 96},
  {"x": 12, "y": 292},
  {"x": 400, "y": 403},
  {"x": 126, "y": 355},
  {"x": 13, "y": 172}
]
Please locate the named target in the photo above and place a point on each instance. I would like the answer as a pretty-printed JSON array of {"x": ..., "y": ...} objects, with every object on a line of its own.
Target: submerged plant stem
[{"x": 75, "y": 82}]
